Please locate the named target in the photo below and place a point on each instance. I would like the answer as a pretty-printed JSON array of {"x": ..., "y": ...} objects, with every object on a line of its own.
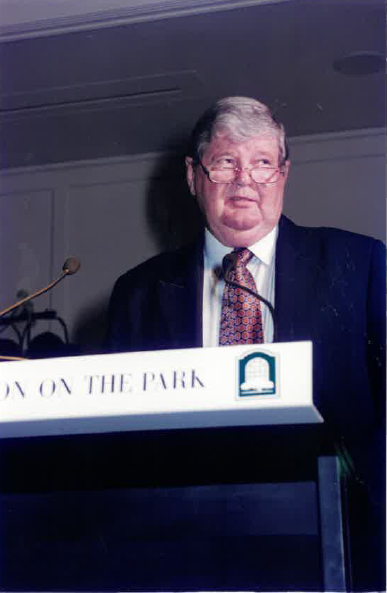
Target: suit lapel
[
  {"x": 180, "y": 297},
  {"x": 296, "y": 283}
]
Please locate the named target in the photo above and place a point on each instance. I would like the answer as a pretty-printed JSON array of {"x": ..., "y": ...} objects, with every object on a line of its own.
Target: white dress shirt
[{"x": 262, "y": 268}]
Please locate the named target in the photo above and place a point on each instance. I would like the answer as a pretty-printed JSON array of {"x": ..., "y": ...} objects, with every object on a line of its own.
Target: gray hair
[{"x": 240, "y": 118}]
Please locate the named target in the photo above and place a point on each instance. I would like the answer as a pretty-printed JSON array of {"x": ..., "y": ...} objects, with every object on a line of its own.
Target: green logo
[{"x": 257, "y": 374}]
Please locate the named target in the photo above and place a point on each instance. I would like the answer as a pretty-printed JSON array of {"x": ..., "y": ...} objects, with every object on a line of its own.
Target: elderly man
[
  {"x": 317, "y": 284},
  {"x": 325, "y": 285}
]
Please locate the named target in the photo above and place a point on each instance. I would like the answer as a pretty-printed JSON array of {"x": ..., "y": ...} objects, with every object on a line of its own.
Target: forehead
[{"x": 266, "y": 144}]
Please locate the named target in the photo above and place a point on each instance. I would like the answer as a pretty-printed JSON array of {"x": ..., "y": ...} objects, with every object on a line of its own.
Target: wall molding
[{"x": 364, "y": 142}]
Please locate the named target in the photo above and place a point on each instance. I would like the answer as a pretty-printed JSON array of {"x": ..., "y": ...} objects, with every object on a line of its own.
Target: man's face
[{"x": 240, "y": 213}]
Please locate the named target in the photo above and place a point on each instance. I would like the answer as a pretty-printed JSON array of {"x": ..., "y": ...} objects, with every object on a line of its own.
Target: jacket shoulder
[
  {"x": 329, "y": 237},
  {"x": 165, "y": 266},
  {"x": 159, "y": 264}
]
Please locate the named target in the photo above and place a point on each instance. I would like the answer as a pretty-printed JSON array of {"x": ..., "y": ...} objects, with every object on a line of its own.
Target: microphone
[
  {"x": 228, "y": 263},
  {"x": 71, "y": 266}
]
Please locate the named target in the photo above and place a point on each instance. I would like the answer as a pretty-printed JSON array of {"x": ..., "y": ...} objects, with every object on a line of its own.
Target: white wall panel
[
  {"x": 339, "y": 180},
  {"x": 25, "y": 246}
]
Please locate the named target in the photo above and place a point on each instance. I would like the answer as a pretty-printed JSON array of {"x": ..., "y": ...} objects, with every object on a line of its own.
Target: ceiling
[{"x": 134, "y": 77}]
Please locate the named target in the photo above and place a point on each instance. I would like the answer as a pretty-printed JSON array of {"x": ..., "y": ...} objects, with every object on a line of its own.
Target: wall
[
  {"x": 115, "y": 213},
  {"x": 339, "y": 180}
]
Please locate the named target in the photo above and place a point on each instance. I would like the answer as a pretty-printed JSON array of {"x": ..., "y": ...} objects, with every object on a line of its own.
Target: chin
[
  {"x": 238, "y": 238},
  {"x": 244, "y": 237},
  {"x": 242, "y": 223}
]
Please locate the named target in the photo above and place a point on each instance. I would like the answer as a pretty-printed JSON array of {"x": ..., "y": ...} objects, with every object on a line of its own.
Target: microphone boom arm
[
  {"x": 254, "y": 294},
  {"x": 71, "y": 266},
  {"x": 35, "y": 294}
]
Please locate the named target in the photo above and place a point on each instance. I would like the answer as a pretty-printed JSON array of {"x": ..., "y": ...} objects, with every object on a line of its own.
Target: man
[{"x": 325, "y": 285}]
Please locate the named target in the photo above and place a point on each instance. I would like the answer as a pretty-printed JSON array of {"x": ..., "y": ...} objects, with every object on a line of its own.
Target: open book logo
[{"x": 257, "y": 374}]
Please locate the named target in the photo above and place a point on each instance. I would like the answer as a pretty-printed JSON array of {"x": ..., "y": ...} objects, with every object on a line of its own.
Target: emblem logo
[{"x": 257, "y": 375}]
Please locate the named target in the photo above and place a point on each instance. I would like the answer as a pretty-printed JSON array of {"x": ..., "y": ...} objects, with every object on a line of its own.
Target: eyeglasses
[{"x": 259, "y": 174}]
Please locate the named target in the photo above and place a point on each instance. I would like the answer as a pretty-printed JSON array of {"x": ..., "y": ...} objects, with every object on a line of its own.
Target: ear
[
  {"x": 286, "y": 170},
  {"x": 190, "y": 173}
]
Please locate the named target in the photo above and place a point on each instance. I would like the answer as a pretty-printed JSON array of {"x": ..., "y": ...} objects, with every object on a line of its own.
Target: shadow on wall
[
  {"x": 173, "y": 219},
  {"x": 90, "y": 330}
]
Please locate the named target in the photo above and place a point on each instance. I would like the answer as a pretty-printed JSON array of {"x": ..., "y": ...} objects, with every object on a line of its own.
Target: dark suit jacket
[{"x": 329, "y": 288}]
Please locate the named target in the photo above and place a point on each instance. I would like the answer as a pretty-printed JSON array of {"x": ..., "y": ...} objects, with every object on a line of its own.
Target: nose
[{"x": 243, "y": 176}]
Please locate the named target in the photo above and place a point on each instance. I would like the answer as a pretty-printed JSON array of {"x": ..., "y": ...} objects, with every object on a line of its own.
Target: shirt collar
[
  {"x": 265, "y": 248},
  {"x": 215, "y": 251}
]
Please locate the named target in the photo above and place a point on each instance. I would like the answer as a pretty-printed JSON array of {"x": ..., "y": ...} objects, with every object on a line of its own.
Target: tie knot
[{"x": 243, "y": 256}]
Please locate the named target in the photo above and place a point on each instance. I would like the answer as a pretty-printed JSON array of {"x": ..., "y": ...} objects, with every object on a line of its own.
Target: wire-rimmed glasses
[{"x": 259, "y": 174}]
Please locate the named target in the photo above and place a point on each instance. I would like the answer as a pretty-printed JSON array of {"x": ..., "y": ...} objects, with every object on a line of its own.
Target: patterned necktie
[{"x": 241, "y": 317}]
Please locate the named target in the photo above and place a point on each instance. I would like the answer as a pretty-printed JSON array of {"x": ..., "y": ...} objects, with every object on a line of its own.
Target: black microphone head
[
  {"x": 229, "y": 262},
  {"x": 71, "y": 265}
]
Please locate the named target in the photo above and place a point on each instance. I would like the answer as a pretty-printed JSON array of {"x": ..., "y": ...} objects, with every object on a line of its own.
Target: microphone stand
[
  {"x": 254, "y": 294},
  {"x": 229, "y": 262},
  {"x": 33, "y": 295},
  {"x": 71, "y": 266}
]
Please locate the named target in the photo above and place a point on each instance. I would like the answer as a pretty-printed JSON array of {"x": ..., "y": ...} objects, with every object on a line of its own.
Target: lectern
[{"x": 197, "y": 469}]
